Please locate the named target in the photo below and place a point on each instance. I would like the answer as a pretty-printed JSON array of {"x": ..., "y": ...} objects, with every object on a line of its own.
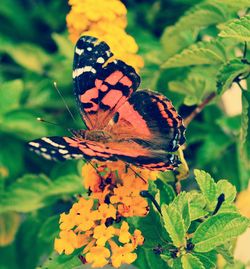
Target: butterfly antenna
[
  {"x": 43, "y": 120},
  {"x": 67, "y": 107},
  {"x": 137, "y": 174}
]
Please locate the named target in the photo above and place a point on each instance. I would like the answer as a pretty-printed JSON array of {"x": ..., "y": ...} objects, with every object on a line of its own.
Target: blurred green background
[{"x": 35, "y": 52}]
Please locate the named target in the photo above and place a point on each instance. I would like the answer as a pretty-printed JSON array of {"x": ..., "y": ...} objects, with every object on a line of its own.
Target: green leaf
[
  {"x": 174, "y": 225},
  {"x": 235, "y": 5},
  {"x": 208, "y": 259},
  {"x": 237, "y": 29},
  {"x": 10, "y": 95},
  {"x": 152, "y": 228},
  {"x": 202, "y": 15},
  {"x": 226, "y": 252},
  {"x": 245, "y": 134},
  {"x": 207, "y": 185},
  {"x": 190, "y": 261},
  {"x": 27, "y": 55},
  {"x": 167, "y": 193},
  {"x": 62, "y": 261},
  {"x": 198, "y": 54},
  {"x": 217, "y": 230},
  {"x": 181, "y": 202},
  {"x": 196, "y": 86},
  {"x": 197, "y": 205},
  {"x": 22, "y": 124},
  {"x": 32, "y": 192},
  {"x": 223, "y": 186},
  {"x": 229, "y": 72},
  {"x": 147, "y": 259},
  {"x": 49, "y": 229},
  {"x": 179, "y": 40},
  {"x": 64, "y": 45}
]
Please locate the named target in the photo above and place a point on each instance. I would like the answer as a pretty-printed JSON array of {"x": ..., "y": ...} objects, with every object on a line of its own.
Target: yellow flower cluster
[
  {"x": 97, "y": 224},
  {"x": 106, "y": 20}
]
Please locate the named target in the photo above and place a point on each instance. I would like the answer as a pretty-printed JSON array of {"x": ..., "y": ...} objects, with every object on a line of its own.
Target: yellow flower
[
  {"x": 106, "y": 211},
  {"x": 103, "y": 233},
  {"x": 86, "y": 220},
  {"x": 137, "y": 238},
  {"x": 67, "y": 221},
  {"x": 91, "y": 178},
  {"x": 121, "y": 195},
  {"x": 124, "y": 235},
  {"x": 106, "y": 20},
  {"x": 122, "y": 255},
  {"x": 66, "y": 243},
  {"x": 98, "y": 256}
]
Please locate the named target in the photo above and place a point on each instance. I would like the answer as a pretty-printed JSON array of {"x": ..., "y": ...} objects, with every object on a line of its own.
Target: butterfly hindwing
[
  {"x": 150, "y": 119},
  {"x": 66, "y": 148},
  {"x": 100, "y": 87}
]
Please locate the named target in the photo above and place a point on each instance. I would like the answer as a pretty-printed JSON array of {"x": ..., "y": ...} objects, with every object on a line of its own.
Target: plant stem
[{"x": 199, "y": 108}]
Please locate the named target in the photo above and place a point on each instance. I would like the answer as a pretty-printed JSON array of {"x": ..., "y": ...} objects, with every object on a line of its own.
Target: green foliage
[{"x": 237, "y": 29}]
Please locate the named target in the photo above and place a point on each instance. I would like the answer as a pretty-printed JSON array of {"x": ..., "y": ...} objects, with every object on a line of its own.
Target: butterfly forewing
[{"x": 100, "y": 87}]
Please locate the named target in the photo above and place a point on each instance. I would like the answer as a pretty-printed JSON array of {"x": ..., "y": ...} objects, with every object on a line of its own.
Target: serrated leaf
[
  {"x": 223, "y": 186},
  {"x": 174, "y": 225},
  {"x": 166, "y": 191},
  {"x": 202, "y": 15},
  {"x": 226, "y": 252},
  {"x": 245, "y": 131},
  {"x": 190, "y": 261},
  {"x": 10, "y": 92},
  {"x": 198, "y": 54},
  {"x": 238, "y": 29},
  {"x": 217, "y": 230},
  {"x": 179, "y": 40},
  {"x": 197, "y": 205},
  {"x": 208, "y": 259},
  {"x": 207, "y": 185},
  {"x": 32, "y": 192},
  {"x": 235, "y": 5},
  {"x": 229, "y": 72},
  {"x": 181, "y": 202}
]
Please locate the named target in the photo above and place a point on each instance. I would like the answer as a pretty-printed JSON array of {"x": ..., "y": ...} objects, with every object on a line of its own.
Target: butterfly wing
[
  {"x": 149, "y": 119},
  {"x": 100, "y": 87},
  {"x": 64, "y": 148}
]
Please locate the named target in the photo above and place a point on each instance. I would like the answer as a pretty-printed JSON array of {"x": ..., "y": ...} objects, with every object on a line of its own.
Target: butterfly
[{"x": 138, "y": 127}]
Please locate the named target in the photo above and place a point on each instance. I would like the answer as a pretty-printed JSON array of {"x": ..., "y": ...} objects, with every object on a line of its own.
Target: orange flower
[
  {"x": 106, "y": 20},
  {"x": 66, "y": 243},
  {"x": 106, "y": 211},
  {"x": 124, "y": 235},
  {"x": 103, "y": 233},
  {"x": 122, "y": 255},
  {"x": 137, "y": 238},
  {"x": 98, "y": 256},
  {"x": 121, "y": 195}
]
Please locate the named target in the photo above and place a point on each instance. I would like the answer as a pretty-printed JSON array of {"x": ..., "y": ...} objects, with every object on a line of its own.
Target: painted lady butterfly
[{"x": 138, "y": 127}]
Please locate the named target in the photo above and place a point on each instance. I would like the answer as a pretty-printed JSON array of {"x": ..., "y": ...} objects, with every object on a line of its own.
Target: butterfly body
[{"x": 138, "y": 127}]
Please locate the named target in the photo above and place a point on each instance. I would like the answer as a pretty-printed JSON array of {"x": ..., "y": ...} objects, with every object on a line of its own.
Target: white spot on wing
[
  {"x": 43, "y": 149},
  {"x": 34, "y": 144},
  {"x": 100, "y": 60},
  {"x": 77, "y": 72},
  {"x": 63, "y": 151},
  {"x": 52, "y": 143},
  {"x": 89, "y": 48},
  {"x": 46, "y": 156},
  {"x": 79, "y": 51},
  {"x": 77, "y": 156}
]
